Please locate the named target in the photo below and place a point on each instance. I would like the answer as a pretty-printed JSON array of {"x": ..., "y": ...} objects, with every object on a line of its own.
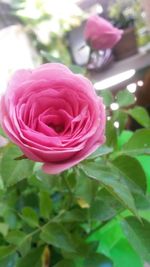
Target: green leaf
[
  {"x": 73, "y": 215},
  {"x": 33, "y": 258},
  {"x": 6, "y": 251},
  {"x": 138, "y": 144},
  {"x": 65, "y": 263},
  {"x": 120, "y": 117},
  {"x": 125, "y": 98},
  {"x": 103, "y": 150},
  {"x": 20, "y": 239},
  {"x": 56, "y": 235},
  {"x": 4, "y": 228},
  {"x": 9, "y": 261},
  {"x": 111, "y": 134},
  {"x": 141, "y": 115},
  {"x": 98, "y": 260},
  {"x": 112, "y": 181},
  {"x": 15, "y": 237},
  {"x": 12, "y": 170},
  {"x": 45, "y": 204},
  {"x": 107, "y": 97},
  {"x": 138, "y": 235},
  {"x": 77, "y": 69},
  {"x": 30, "y": 216},
  {"x": 132, "y": 170},
  {"x": 105, "y": 206}
]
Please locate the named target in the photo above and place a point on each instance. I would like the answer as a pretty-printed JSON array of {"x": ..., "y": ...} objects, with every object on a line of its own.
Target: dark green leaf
[
  {"x": 132, "y": 170},
  {"x": 56, "y": 235},
  {"x": 105, "y": 206},
  {"x": 45, "y": 204},
  {"x": 12, "y": 170},
  {"x": 141, "y": 115},
  {"x": 112, "y": 181},
  {"x": 138, "y": 234},
  {"x": 111, "y": 134},
  {"x": 30, "y": 216},
  {"x": 6, "y": 251},
  {"x": 33, "y": 258},
  {"x": 15, "y": 237},
  {"x": 125, "y": 98},
  {"x": 65, "y": 263},
  {"x": 20, "y": 239}
]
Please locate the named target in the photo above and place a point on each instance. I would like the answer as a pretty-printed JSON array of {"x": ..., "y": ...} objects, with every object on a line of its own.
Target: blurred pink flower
[
  {"x": 53, "y": 115},
  {"x": 100, "y": 34}
]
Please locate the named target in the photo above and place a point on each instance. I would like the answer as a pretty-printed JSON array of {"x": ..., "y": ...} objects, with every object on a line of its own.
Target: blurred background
[{"x": 40, "y": 31}]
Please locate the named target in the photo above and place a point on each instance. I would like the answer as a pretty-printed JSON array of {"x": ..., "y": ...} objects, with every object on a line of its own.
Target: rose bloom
[
  {"x": 100, "y": 34},
  {"x": 53, "y": 115}
]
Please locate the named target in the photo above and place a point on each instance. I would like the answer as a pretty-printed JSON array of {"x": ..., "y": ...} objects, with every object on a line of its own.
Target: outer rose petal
[{"x": 53, "y": 115}]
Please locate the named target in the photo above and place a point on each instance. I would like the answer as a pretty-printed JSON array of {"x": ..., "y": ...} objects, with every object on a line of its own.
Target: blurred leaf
[
  {"x": 9, "y": 261},
  {"x": 124, "y": 255},
  {"x": 112, "y": 181},
  {"x": 45, "y": 204},
  {"x": 120, "y": 117},
  {"x": 49, "y": 57},
  {"x": 141, "y": 115},
  {"x": 105, "y": 206},
  {"x": 4, "y": 228},
  {"x": 77, "y": 69},
  {"x": 111, "y": 134},
  {"x": 12, "y": 170},
  {"x": 133, "y": 171},
  {"x": 5, "y": 251},
  {"x": 125, "y": 98},
  {"x": 65, "y": 263},
  {"x": 138, "y": 234},
  {"x": 55, "y": 234},
  {"x": 30, "y": 216},
  {"x": 20, "y": 239},
  {"x": 85, "y": 188},
  {"x": 138, "y": 144},
  {"x": 107, "y": 97},
  {"x": 98, "y": 260},
  {"x": 73, "y": 216},
  {"x": 15, "y": 237},
  {"x": 103, "y": 150},
  {"x": 33, "y": 258}
]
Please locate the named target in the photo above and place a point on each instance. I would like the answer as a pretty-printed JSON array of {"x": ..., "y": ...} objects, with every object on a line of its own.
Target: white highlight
[
  {"x": 114, "y": 106},
  {"x": 131, "y": 87},
  {"x": 140, "y": 83},
  {"x": 108, "y": 118},
  {"x": 116, "y": 124},
  {"x": 114, "y": 80}
]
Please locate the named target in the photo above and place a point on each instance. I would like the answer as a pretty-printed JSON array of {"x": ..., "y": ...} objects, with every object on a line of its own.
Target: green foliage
[
  {"x": 125, "y": 98},
  {"x": 81, "y": 217},
  {"x": 140, "y": 115}
]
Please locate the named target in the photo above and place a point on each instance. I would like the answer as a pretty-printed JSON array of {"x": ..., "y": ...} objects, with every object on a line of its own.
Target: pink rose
[
  {"x": 100, "y": 34},
  {"x": 53, "y": 115}
]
